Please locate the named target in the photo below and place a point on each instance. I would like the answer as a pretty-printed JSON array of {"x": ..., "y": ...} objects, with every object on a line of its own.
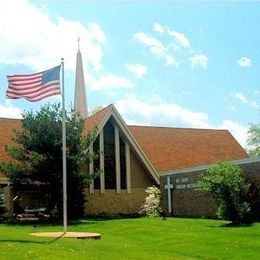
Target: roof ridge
[
  {"x": 99, "y": 111},
  {"x": 7, "y": 118},
  {"x": 179, "y": 128}
]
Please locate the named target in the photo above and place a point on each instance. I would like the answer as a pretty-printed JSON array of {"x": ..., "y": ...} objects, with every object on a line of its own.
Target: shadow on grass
[
  {"x": 232, "y": 225},
  {"x": 52, "y": 223},
  {"x": 21, "y": 241},
  {"x": 29, "y": 241},
  {"x": 54, "y": 239},
  {"x": 235, "y": 225}
]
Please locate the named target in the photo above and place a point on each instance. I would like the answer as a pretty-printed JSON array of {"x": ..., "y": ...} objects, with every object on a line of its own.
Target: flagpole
[{"x": 64, "y": 163}]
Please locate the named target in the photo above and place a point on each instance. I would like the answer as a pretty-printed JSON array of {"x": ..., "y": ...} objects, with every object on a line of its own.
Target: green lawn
[{"x": 142, "y": 238}]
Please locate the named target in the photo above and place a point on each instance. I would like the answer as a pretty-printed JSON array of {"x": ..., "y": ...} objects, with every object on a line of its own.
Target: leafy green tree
[
  {"x": 37, "y": 156},
  {"x": 254, "y": 140},
  {"x": 227, "y": 186}
]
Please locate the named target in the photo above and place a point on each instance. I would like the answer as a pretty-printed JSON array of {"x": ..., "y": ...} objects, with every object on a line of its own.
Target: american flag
[{"x": 34, "y": 87}]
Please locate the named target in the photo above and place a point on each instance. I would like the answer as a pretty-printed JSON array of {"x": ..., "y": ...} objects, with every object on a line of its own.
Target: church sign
[{"x": 182, "y": 184}]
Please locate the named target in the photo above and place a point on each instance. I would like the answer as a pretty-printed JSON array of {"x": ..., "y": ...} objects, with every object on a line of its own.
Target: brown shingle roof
[
  {"x": 94, "y": 120},
  {"x": 167, "y": 148},
  {"x": 7, "y": 126},
  {"x": 7, "y": 134},
  {"x": 177, "y": 148}
]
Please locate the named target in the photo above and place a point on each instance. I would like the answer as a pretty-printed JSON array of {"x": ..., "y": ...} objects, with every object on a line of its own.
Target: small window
[{"x": 2, "y": 199}]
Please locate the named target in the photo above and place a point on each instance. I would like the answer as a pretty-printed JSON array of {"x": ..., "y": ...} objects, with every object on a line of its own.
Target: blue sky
[{"x": 165, "y": 63}]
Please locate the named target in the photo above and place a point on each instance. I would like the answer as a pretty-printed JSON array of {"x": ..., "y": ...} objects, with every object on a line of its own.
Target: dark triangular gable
[{"x": 101, "y": 118}]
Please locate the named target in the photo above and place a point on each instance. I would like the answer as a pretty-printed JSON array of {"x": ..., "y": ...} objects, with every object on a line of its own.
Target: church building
[{"x": 132, "y": 158}]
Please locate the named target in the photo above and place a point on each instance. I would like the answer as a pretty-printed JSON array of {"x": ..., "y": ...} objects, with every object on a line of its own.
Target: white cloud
[
  {"x": 237, "y": 130},
  {"x": 172, "y": 46},
  {"x": 181, "y": 38},
  {"x": 9, "y": 111},
  {"x": 156, "y": 47},
  {"x": 158, "y": 28},
  {"x": 149, "y": 41},
  {"x": 28, "y": 36},
  {"x": 199, "y": 60},
  {"x": 170, "y": 60},
  {"x": 244, "y": 62},
  {"x": 240, "y": 96},
  {"x": 137, "y": 69},
  {"x": 253, "y": 104},
  {"x": 108, "y": 82},
  {"x": 160, "y": 113}
]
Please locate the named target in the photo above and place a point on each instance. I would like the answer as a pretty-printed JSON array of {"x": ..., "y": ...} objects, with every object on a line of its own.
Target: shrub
[
  {"x": 151, "y": 207},
  {"x": 227, "y": 186}
]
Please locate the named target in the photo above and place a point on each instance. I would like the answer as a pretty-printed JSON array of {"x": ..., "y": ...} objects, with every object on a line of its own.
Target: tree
[
  {"x": 227, "y": 186},
  {"x": 37, "y": 156},
  {"x": 151, "y": 207},
  {"x": 254, "y": 140}
]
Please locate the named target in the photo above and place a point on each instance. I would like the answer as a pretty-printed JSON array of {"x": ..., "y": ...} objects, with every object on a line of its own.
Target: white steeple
[{"x": 80, "y": 100}]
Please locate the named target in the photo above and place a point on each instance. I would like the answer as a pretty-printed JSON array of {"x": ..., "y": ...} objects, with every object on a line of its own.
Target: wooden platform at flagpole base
[{"x": 77, "y": 235}]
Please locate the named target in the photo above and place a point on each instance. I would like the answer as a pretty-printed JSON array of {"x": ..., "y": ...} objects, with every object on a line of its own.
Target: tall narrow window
[
  {"x": 96, "y": 163},
  {"x": 122, "y": 164},
  {"x": 2, "y": 202},
  {"x": 109, "y": 156},
  {"x": 2, "y": 199}
]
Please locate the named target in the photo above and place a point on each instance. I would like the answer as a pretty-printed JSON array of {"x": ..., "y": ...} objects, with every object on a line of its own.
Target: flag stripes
[{"x": 36, "y": 86}]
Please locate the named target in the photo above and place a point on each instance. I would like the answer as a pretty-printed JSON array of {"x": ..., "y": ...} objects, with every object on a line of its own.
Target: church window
[
  {"x": 113, "y": 169},
  {"x": 2, "y": 199},
  {"x": 96, "y": 163},
  {"x": 122, "y": 164},
  {"x": 109, "y": 156}
]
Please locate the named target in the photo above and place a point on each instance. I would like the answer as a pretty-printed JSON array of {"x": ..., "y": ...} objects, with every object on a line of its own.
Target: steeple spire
[{"x": 80, "y": 100}]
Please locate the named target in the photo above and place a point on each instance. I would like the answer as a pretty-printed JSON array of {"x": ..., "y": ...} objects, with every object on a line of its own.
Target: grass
[{"x": 142, "y": 238}]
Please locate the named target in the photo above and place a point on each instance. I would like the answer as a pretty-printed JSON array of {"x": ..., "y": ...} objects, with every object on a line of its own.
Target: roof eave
[
  {"x": 135, "y": 145},
  {"x": 207, "y": 166},
  {"x": 119, "y": 120}
]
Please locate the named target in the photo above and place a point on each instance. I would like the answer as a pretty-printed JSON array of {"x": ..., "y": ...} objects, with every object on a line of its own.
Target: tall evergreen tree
[{"x": 37, "y": 156}]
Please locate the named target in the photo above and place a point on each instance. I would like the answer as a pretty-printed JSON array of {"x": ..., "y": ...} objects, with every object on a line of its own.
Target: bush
[
  {"x": 227, "y": 186},
  {"x": 151, "y": 207}
]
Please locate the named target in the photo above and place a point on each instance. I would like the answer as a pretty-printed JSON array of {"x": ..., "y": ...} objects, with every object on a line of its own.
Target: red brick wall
[{"x": 189, "y": 201}]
